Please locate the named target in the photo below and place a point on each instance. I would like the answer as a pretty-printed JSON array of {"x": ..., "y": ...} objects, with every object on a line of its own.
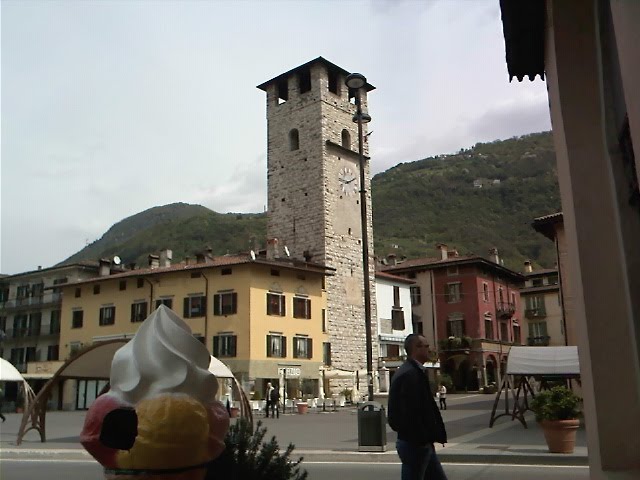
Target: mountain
[
  {"x": 476, "y": 199},
  {"x": 183, "y": 228},
  {"x": 439, "y": 200}
]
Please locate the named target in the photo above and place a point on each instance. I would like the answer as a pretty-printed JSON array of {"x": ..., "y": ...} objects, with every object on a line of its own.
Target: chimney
[
  {"x": 493, "y": 253},
  {"x": 527, "y": 266},
  {"x": 391, "y": 259},
  {"x": 455, "y": 252},
  {"x": 166, "y": 256},
  {"x": 444, "y": 254},
  {"x": 154, "y": 261},
  {"x": 272, "y": 249},
  {"x": 105, "y": 267},
  {"x": 200, "y": 258},
  {"x": 209, "y": 251}
]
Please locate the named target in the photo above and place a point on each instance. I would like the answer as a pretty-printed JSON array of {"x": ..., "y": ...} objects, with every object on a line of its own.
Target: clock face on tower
[{"x": 348, "y": 181}]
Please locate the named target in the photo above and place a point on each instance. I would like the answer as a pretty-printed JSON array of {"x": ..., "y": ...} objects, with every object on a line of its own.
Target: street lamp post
[{"x": 356, "y": 82}]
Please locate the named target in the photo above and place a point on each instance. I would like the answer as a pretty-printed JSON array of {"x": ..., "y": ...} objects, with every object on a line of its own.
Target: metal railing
[
  {"x": 535, "y": 313},
  {"x": 541, "y": 341},
  {"x": 37, "y": 301},
  {"x": 505, "y": 309}
]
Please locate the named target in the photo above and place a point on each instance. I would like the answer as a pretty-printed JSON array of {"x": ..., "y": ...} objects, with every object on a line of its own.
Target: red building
[{"x": 467, "y": 307}]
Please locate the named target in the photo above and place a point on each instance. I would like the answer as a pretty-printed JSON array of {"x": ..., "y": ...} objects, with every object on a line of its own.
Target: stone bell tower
[{"x": 313, "y": 194}]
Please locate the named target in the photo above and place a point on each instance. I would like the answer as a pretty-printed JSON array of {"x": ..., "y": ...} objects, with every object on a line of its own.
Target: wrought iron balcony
[
  {"x": 535, "y": 313},
  {"x": 455, "y": 343},
  {"x": 542, "y": 341},
  {"x": 505, "y": 309},
  {"x": 31, "y": 302}
]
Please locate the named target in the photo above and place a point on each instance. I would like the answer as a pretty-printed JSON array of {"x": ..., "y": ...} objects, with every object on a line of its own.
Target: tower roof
[{"x": 330, "y": 66}]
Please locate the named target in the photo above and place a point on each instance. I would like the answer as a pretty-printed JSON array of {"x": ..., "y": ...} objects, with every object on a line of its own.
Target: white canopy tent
[
  {"x": 536, "y": 362},
  {"x": 9, "y": 373},
  {"x": 562, "y": 361},
  {"x": 219, "y": 369}
]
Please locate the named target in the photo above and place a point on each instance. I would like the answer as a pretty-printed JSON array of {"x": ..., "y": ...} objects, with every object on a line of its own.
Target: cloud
[{"x": 244, "y": 191}]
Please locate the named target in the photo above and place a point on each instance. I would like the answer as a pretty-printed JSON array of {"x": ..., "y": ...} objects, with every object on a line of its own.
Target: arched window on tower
[
  {"x": 294, "y": 139},
  {"x": 346, "y": 139}
]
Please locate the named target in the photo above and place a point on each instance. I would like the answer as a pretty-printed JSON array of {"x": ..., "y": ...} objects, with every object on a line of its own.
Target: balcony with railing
[
  {"x": 541, "y": 341},
  {"x": 40, "y": 301},
  {"x": 455, "y": 343},
  {"x": 535, "y": 313},
  {"x": 505, "y": 309}
]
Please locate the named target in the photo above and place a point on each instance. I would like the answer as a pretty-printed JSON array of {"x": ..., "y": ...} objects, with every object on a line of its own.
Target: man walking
[
  {"x": 267, "y": 397},
  {"x": 1, "y": 402},
  {"x": 442, "y": 396},
  {"x": 275, "y": 403},
  {"x": 413, "y": 413}
]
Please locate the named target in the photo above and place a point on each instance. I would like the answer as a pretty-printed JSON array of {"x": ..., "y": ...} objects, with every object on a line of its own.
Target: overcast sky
[{"x": 110, "y": 108}]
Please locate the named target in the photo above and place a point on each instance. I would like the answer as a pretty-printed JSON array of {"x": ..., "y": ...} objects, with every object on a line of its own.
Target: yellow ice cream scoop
[{"x": 173, "y": 432}]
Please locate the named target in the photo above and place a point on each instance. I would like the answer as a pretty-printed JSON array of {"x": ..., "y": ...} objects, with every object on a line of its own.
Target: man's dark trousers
[{"x": 419, "y": 462}]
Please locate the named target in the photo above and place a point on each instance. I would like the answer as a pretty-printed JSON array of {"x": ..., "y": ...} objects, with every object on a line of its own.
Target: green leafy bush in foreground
[
  {"x": 248, "y": 456},
  {"x": 559, "y": 403}
]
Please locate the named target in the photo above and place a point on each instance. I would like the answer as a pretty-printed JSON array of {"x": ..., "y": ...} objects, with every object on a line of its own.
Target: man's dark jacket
[{"x": 413, "y": 412}]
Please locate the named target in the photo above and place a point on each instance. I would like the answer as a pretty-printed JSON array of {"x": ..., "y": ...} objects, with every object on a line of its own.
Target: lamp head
[
  {"x": 355, "y": 81},
  {"x": 364, "y": 117}
]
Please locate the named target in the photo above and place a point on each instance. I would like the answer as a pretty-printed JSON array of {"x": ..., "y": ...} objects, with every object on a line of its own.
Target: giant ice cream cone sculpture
[{"x": 160, "y": 419}]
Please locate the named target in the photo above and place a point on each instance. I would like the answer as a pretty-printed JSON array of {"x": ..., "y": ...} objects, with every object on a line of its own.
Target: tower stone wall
[{"x": 308, "y": 210}]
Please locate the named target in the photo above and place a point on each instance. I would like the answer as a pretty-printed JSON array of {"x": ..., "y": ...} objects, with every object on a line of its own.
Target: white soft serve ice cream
[{"x": 163, "y": 357}]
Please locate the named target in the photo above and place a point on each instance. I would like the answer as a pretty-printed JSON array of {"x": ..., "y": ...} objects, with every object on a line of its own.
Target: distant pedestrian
[
  {"x": 413, "y": 413},
  {"x": 442, "y": 395},
  {"x": 275, "y": 403},
  {"x": 267, "y": 397},
  {"x": 1, "y": 402}
]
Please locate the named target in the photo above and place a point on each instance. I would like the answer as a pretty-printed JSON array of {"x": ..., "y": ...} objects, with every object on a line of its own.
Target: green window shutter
[
  {"x": 186, "y": 307},
  {"x": 234, "y": 308},
  {"x": 310, "y": 348},
  {"x": 284, "y": 347},
  {"x": 216, "y": 304},
  {"x": 234, "y": 343},
  {"x": 203, "y": 310},
  {"x": 144, "y": 310},
  {"x": 216, "y": 346},
  {"x": 269, "y": 353}
]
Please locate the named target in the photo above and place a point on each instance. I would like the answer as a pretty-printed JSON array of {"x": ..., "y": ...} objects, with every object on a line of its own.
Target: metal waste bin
[{"x": 372, "y": 427}]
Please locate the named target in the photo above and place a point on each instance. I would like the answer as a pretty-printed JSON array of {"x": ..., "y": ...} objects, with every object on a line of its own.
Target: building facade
[
  {"x": 313, "y": 201},
  {"x": 473, "y": 312},
  {"x": 541, "y": 308},
  {"x": 263, "y": 318},
  {"x": 393, "y": 298},
  {"x": 30, "y": 319},
  {"x": 588, "y": 53}
]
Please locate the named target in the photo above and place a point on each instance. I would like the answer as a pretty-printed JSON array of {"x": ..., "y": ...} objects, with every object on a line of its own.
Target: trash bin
[{"x": 372, "y": 427}]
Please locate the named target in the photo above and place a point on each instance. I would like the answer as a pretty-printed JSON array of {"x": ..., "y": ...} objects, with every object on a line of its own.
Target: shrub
[
  {"x": 559, "y": 403},
  {"x": 249, "y": 457}
]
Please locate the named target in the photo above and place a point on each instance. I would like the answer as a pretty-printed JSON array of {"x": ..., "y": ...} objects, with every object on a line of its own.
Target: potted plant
[{"x": 558, "y": 411}]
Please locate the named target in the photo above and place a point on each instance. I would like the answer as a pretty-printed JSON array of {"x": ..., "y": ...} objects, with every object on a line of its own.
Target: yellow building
[
  {"x": 264, "y": 318},
  {"x": 541, "y": 307}
]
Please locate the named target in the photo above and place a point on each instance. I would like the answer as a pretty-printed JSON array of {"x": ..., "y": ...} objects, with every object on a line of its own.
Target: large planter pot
[
  {"x": 560, "y": 434},
  {"x": 302, "y": 407}
]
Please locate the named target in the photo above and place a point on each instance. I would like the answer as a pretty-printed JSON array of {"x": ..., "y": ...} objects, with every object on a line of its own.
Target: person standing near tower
[
  {"x": 267, "y": 397},
  {"x": 442, "y": 396},
  {"x": 413, "y": 413}
]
